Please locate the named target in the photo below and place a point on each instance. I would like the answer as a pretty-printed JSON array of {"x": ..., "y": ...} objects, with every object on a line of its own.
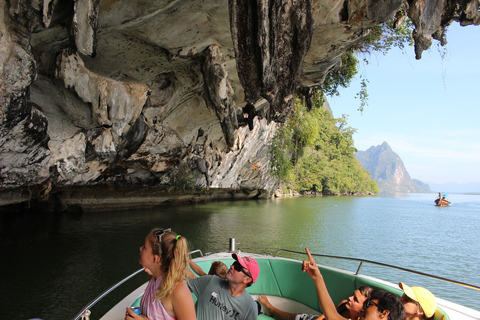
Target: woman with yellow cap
[{"x": 419, "y": 303}]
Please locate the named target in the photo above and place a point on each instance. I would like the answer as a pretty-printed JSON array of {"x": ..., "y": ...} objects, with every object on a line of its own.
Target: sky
[{"x": 427, "y": 110}]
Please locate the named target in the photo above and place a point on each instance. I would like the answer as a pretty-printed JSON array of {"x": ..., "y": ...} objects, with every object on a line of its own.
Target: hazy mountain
[
  {"x": 388, "y": 170},
  {"x": 421, "y": 187}
]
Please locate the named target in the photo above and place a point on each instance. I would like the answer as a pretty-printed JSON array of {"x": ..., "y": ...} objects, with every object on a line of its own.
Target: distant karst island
[{"x": 388, "y": 170}]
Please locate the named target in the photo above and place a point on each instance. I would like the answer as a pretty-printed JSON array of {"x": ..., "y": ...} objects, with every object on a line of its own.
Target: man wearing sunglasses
[{"x": 219, "y": 298}]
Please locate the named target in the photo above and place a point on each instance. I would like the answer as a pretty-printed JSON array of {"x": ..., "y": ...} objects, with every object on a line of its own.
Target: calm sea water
[{"x": 54, "y": 264}]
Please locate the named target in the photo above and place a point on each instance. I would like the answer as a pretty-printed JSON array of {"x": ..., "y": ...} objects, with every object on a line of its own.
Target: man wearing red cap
[{"x": 227, "y": 299}]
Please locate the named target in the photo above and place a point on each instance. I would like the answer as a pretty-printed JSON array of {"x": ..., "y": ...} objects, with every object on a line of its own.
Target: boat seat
[
  {"x": 296, "y": 285},
  {"x": 264, "y": 317},
  {"x": 284, "y": 304}
]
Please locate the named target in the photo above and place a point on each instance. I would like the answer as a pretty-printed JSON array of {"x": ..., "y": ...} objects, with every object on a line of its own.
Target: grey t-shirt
[{"x": 214, "y": 302}]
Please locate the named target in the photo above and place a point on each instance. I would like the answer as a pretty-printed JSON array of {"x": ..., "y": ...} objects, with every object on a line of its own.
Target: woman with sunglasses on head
[
  {"x": 382, "y": 305},
  {"x": 167, "y": 297}
]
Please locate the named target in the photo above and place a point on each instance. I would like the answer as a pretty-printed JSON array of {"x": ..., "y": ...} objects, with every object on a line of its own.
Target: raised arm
[
  {"x": 196, "y": 268},
  {"x": 326, "y": 302}
]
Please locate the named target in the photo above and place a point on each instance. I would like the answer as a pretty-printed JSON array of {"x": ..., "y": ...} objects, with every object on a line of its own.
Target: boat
[
  {"x": 289, "y": 289},
  {"x": 442, "y": 200}
]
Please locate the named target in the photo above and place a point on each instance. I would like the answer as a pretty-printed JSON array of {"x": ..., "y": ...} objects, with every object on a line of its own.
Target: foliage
[
  {"x": 386, "y": 36},
  {"x": 362, "y": 94},
  {"x": 281, "y": 153},
  {"x": 314, "y": 151},
  {"x": 341, "y": 76}
]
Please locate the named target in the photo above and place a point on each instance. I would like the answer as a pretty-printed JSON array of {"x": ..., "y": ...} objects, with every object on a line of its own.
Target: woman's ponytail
[{"x": 174, "y": 261}]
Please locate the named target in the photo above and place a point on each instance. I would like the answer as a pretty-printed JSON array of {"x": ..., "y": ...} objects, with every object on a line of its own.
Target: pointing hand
[{"x": 310, "y": 266}]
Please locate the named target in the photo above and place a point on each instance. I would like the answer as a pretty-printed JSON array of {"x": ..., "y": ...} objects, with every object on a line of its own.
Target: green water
[{"x": 54, "y": 264}]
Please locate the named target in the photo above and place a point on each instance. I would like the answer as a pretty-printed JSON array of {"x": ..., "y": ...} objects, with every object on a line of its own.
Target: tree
[
  {"x": 341, "y": 76},
  {"x": 314, "y": 151}
]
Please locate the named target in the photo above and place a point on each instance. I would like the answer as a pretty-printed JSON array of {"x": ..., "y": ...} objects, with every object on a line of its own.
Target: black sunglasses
[
  {"x": 239, "y": 268},
  {"x": 370, "y": 302},
  {"x": 160, "y": 233}
]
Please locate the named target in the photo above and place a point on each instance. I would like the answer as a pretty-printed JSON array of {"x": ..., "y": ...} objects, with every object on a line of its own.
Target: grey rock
[{"x": 388, "y": 170}]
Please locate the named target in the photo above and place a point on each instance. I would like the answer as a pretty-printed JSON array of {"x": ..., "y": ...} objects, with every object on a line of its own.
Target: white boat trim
[{"x": 118, "y": 311}]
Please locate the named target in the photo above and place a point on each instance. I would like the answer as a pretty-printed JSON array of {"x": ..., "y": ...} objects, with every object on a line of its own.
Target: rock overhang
[{"x": 261, "y": 56}]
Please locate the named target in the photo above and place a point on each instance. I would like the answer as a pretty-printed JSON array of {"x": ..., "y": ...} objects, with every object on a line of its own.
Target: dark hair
[
  {"x": 365, "y": 291},
  {"x": 390, "y": 302}
]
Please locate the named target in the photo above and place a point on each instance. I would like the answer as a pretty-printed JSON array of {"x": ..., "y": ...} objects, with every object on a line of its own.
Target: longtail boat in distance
[{"x": 442, "y": 200}]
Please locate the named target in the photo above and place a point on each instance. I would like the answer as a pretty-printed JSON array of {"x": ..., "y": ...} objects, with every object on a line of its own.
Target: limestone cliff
[
  {"x": 127, "y": 93},
  {"x": 388, "y": 170}
]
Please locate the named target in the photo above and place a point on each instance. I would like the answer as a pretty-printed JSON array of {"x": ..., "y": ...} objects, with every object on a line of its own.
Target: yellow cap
[{"x": 425, "y": 298}]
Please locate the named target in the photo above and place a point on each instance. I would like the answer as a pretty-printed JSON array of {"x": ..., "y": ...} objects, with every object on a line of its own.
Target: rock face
[
  {"x": 147, "y": 93},
  {"x": 388, "y": 170}
]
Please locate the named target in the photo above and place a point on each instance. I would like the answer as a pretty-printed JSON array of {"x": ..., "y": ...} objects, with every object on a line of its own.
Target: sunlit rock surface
[{"x": 135, "y": 95}]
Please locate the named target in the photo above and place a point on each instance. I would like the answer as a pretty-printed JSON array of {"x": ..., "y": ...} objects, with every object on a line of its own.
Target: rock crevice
[{"x": 271, "y": 39}]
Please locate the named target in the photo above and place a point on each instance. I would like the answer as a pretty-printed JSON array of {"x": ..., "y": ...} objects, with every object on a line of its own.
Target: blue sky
[{"x": 427, "y": 110}]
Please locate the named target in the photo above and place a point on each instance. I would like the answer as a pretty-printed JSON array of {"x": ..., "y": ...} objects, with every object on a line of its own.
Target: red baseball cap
[{"x": 250, "y": 264}]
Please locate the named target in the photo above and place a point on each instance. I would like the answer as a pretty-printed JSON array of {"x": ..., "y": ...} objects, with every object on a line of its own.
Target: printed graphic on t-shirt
[{"x": 229, "y": 312}]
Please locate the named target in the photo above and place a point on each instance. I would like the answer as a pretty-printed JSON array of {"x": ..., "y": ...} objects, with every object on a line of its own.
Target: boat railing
[
  {"x": 196, "y": 251},
  {"x": 361, "y": 261},
  {"x": 85, "y": 313}
]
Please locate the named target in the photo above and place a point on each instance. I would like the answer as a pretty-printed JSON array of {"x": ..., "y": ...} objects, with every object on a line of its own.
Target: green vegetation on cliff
[{"x": 313, "y": 151}]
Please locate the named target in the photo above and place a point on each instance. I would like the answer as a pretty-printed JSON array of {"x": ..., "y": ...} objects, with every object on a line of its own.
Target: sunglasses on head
[
  {"x": 160, "y": 233},
  {"x": 239, "y": 268},
  {"x": 370, "y": 302}
]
